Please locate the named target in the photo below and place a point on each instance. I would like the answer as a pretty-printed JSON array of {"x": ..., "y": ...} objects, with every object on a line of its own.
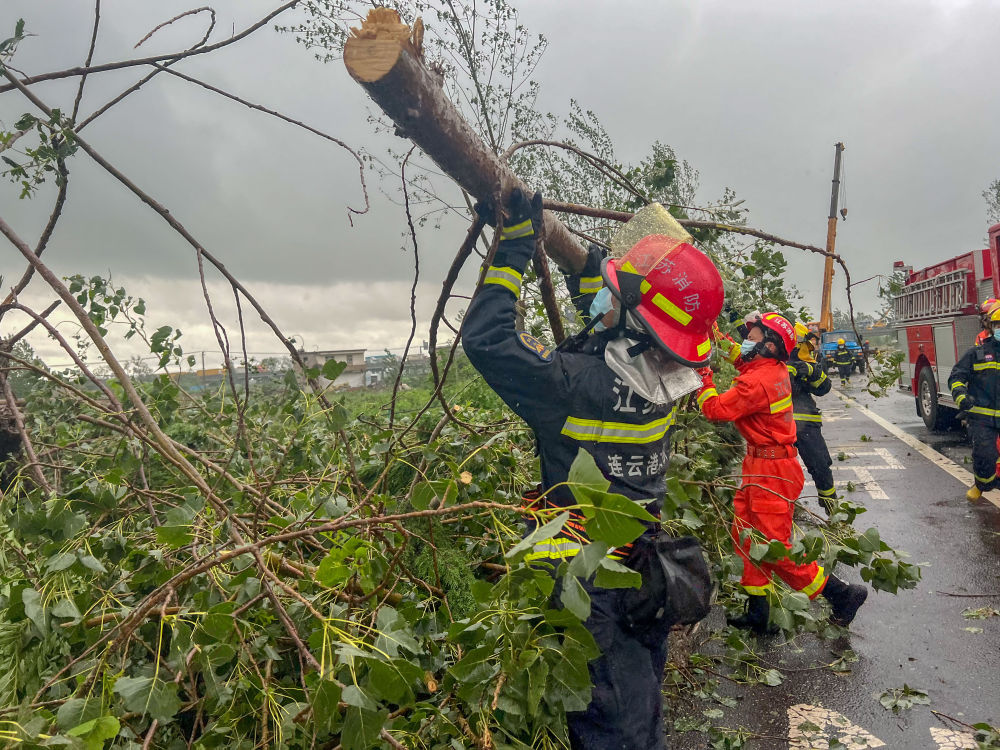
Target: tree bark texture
[{"x": 387, "y": 61}]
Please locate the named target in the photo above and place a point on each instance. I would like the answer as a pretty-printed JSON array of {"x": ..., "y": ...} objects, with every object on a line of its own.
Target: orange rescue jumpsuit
[{"x": 760, "y": 404}]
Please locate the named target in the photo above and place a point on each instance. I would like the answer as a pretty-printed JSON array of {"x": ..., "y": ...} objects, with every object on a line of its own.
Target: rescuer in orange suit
[{"x": 760, "y": 404}]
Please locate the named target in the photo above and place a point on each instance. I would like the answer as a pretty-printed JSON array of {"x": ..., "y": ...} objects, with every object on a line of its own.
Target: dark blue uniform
[
  {"x": 573, "y": 400},
  {"x": 844, "y": 360},
  {"x": 809, "y": 380},
  {"x": 975, "y": 385}
]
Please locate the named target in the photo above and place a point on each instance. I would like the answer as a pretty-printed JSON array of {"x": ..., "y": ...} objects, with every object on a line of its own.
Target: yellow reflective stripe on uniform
[
  {"x": 554, "y": 548},
  {"x": 819, "y": 380},
  {"x": 591, "y": 284},
  {"x": 984, "y": 411},
  {"x": 560, "y": 549},
  {"x": 785, "y": 403},
  {"x": 758, "y": 590},
  {"x": 985, "y": 480},
  {"x": 505, "y": 277},
  {"x": 827, "y": 493},
  {"x": 671, "y": 309},
  {"x": 961, "y": 397},
  {"x": 598, "y": 431},
  {"x": 705, "y": 395},
  {"x": 704, "y": 347},
  {"x": 958, "y": 384},
  {"x": 517, "y": 231},
  {"x": 986, "y": 366},
  {"x": 817, "y": 584},
  {"x": 807, "y": 417}
]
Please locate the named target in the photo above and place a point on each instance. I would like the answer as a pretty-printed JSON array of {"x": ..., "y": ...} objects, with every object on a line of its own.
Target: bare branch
[
  {"x": 73, "y": 72},
  {"x": 90, "y": 58},
  {"x": 179, "y": 16}
]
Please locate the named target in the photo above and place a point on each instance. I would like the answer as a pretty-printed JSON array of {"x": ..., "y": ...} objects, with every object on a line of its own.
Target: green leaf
[
  {"x": 325, "y": 704},
  {"x": 575, "y": 598},
  {"x": 332, "y": 369},
  {"x": 34, "y": 610},
  {"x": 218, "y": 623},
  {"x": 870, "y": 541},
  {"x": 540, "y": 534},
  {"x": 389, "y": 682},
  {"x": 584, "y": 471},
  {"x": 362, "y": 728},
  {"x": 355, "y": 696},
  {"x": 436, "y": 494},
  {"x": 66, "y": 608},
  {"x": 772, "y": 677},
  {"x": 145, "y": 695},
  {"x": 613, "y": 575},
  {"x": 586, "y": 562},
  {"x": 93, "y": 733},
  {"x": 77, "y": 711},
  {"x": 91, "y": 563},
  {"x": 611, "y": 518},
  {"x": 174, "y": 537}
]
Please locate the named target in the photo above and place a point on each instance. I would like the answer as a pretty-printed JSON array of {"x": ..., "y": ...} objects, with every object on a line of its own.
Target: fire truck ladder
[{"x": 944, "y": 294}]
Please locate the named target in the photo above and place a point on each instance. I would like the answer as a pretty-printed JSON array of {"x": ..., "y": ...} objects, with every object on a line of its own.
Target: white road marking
[
  {"x": 936, "y": 457},
  {"x": 866, "y": 480},
  {"x": 812, "y": 728},
  {"x": 949, "y": 739}
]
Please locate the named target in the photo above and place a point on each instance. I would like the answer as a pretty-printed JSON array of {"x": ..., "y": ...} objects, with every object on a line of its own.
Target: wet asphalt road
[{"x": 919, "y": 637}]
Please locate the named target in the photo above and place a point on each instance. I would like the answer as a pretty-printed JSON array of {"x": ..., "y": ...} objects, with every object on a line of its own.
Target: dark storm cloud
[{"x": 754, "y": 95}]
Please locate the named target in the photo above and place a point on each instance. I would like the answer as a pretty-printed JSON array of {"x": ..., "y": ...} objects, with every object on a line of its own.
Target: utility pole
[{"x": 826, "y": 314}]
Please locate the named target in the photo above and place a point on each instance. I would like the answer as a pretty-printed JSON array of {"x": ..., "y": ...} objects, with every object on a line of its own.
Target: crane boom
[{"x": 826, "y": 313}]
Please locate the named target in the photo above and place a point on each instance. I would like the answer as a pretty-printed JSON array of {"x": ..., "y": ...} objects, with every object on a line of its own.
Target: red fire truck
[{"x": 937, "y": 319}]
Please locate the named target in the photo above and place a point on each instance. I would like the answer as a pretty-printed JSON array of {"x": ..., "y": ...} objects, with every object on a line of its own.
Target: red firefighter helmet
[
  {"x": 675, "y": 292},
  {"x": 779, "y": 325}
]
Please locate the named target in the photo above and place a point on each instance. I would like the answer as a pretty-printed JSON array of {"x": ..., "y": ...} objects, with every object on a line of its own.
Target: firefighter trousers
[
  {"x": 816, "y": 456},
  {"x": 765, "y": 503},
  {"x": 984, "y": 453},
  {"x": 625, "y": 711},
  {"x": 845, "y": 372}
]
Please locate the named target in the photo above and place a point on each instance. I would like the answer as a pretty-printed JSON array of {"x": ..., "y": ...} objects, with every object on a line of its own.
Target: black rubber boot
[
  {"x": 829, "y": 503},
  {"x": 755, "y": 617},
  {"x": 845, "y": 600}
]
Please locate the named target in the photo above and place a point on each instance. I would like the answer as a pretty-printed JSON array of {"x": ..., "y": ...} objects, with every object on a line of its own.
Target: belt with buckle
[{"x": 772, "y": 451}]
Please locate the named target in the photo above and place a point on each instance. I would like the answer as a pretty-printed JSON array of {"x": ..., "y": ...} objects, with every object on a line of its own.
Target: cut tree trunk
[{"x": 386, "y": 59}]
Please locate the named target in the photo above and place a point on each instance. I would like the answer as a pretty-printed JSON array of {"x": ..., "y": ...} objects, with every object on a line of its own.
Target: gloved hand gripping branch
[{"x": 520, "y": 212}]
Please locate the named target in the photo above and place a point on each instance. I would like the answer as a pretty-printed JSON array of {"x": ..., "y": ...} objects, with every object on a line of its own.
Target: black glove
[
  {"x": 517, "y": 209},
  {"x": 595, "y": 256},
  {"x": 965, "y": 402}
]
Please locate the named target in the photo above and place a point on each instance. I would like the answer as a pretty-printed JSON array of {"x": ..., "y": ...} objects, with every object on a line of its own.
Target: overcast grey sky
[{"x": 753, "y": 95}]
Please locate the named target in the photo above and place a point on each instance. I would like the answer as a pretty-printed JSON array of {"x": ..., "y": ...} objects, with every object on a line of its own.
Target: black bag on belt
[{"x": 676, "y": 585}]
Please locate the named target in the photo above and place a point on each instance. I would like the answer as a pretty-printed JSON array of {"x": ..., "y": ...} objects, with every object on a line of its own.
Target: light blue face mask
[
  {"x": 996, "y": 333},
  {"x": 747, "y": 347},
  {"x": 600, "y": 307}
]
